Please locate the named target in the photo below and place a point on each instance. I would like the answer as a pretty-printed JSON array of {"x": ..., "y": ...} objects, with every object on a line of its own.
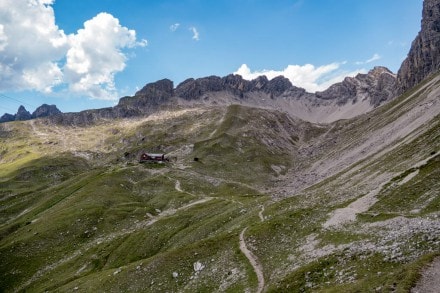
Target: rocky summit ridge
[
  {"x": 23, "y": 114},
  {"x": 370, "y": 90}
]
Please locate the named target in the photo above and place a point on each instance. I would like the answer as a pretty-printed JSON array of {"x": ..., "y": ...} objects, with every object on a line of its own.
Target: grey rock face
[
  {"x": 45, "y": 110},
  {"x": 83, "y": 118},
  {"x": 278, "y": 85},
  {"x": 22, "y": 114},
  {"x": 161, "y": 87},
  {"x": 152, "y": 94},
  {"x": 377, "y": 86},
  {"x": 424, "y": 56},
  {"x": 145, "y": 101},
  {"x": 7, "y": 118},
  {"x": 193, "y": 89}
]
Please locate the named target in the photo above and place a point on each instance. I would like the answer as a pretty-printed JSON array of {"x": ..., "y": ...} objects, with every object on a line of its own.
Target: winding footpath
[{"x": 256, "y": 265}]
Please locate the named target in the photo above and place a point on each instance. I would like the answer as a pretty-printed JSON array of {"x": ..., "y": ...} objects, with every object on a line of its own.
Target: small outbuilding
[{"x": 152, "y": 158}]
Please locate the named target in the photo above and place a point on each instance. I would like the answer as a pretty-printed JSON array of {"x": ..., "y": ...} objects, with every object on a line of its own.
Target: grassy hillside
[{"x": 273, "y": 203}]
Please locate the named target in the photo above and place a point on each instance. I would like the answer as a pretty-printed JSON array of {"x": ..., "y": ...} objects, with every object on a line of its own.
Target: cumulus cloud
[
  {"x": 30, "y": 43},
  {"x": 307, "y": 76},
  {"x": 174, "y": 27},
  {"x": 37, "y": 55},
  {"x": 95, "y": 56},
  {"x": 195, "y": 33}
]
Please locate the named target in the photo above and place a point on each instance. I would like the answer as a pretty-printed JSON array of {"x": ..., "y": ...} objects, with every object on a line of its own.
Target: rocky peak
[
  {"x": 45, "y": 110},
  {"x": 192, "y": 89},
  {"x": 152, "y": 94},
  {"x": 7, "y": 118},
  {"x": 278, "y": 85},
  {"x": 22, "y": 114},
  {"x": 237, "y": 82},
  {"x": 160, "y": 87},
  {"x": 259, "y": 83},
  {"x": 379, "y": 70},
  {"x": 377, "y": 86},
  {"x": 424, "y": 56}
]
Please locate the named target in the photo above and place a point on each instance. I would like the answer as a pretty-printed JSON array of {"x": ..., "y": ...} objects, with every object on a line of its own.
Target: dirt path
[
  {"x": 260, "y": 214},
  {"x": 177, "y": 186},
  {"x": 430, "y": 280},
  {"x": 253, "y": 260}
]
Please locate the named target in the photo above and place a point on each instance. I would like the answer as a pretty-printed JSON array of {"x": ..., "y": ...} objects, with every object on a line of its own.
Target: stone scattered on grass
[{"x": 198, "y": 266}]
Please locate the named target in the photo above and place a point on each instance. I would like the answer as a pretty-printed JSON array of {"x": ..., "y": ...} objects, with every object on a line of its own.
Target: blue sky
[{"x": 86, "y": 54}]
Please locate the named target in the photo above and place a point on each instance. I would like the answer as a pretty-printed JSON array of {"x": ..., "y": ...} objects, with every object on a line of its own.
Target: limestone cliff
[{"x": 423, "y": 58}]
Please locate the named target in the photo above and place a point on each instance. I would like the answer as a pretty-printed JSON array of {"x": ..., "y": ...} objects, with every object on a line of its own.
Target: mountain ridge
[{"x": 372, "y": 89}]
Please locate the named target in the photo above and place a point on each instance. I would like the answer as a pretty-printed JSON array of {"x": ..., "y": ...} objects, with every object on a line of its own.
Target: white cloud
[
  {"x": 142, "y": 43},
  {"x": 195, "y": 33},
  {"x": 95, "y": 56},
  {"x": 307, "y": 76},
  {"x": 375, "y": 57},
  {"x": 398, "y": 44},
  {"x": 37, "y": 55},
  {"x": 3, "y": 38},
  {"x": 30, "y": 42},
  {"x": 174, "y": 27},
  {"x": 43, "y": 77}
]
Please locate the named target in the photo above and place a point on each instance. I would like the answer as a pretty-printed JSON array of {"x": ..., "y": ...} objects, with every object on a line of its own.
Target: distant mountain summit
[
  {"x": 45, "y": 111},
  {"x": 22, "y": 114},
  {"x": 378, "y": 86}
]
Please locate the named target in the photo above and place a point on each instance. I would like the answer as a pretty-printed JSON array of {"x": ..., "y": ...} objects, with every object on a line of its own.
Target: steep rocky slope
[{"x": 424, "y": 56}]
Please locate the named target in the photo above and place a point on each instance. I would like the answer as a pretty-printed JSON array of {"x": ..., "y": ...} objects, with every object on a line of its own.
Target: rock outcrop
[
  {"x": 423, "y": 58},
  {"x": 153, "y": 94},
  {"x": 193, "y": 89},
  {"x": 46, "y": 110},
  {"x": 22, "y": 114},
  {"x": 7, "y": 118},
  {"x": 377, "y": 86}
]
